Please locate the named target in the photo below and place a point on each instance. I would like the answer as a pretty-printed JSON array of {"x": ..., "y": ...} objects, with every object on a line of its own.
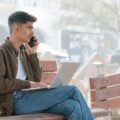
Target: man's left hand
[{"x": 32, "y": 50}]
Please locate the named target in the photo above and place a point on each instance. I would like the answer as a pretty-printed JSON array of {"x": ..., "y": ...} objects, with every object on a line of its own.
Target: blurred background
[
  {"x": 85, "y": 31},
  {"x": 75, "y": 28}
]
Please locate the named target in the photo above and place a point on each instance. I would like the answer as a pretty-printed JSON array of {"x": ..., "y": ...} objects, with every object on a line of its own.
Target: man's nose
[{"x": 32, "y": 33}]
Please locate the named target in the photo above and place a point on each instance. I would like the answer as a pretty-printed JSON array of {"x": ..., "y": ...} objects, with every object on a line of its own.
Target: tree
[
  {"x": 96, "y": 13},
  {"x": 92, "y": 14}
]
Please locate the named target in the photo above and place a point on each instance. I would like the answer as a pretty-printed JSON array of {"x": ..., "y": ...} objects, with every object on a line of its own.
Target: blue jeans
[{"x": 66, "y": 100}]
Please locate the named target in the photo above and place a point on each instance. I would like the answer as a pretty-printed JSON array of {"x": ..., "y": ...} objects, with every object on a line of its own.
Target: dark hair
[{"x": 20, "y": 17}]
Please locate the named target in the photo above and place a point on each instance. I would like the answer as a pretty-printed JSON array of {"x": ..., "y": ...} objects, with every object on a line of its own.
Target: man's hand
[
  {"x": 36, "y": 84},
  {"x": 32, "y": 50}
]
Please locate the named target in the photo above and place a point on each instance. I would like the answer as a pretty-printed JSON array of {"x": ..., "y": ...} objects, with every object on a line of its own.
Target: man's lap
[{"x": 40, "y": 100}]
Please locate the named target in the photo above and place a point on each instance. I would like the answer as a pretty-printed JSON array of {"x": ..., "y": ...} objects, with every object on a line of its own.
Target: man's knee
[
  {"x": 74, "y": 88},
  {"x": 70, "y": 87}
]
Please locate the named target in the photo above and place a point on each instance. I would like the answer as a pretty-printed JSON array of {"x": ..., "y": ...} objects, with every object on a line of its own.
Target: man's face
[{"x": 25, "y": 32}]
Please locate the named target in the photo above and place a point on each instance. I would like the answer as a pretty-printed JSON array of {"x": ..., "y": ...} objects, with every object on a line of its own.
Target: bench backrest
[
  {"x": 105, "y": 91},
  {"x": 49, "y": 71}
]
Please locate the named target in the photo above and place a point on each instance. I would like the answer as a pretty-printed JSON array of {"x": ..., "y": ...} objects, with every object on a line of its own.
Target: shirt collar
[{"x": 10, "y": 46}]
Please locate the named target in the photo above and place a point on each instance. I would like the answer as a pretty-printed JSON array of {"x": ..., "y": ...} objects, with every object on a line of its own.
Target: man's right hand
[{"x": 36, "y": 84}]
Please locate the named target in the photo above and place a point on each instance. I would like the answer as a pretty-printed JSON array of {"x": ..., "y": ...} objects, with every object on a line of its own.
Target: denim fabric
[{"x": 66, "y": 100}]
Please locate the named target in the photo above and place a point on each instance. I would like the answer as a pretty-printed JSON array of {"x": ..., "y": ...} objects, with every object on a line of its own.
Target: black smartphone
[{"x": 32, "y": 41}]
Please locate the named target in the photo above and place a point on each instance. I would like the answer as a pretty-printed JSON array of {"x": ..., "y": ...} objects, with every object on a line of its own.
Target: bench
[
  {"x": 49, "y": 72},
  {"x": 39, "y": 116},
  {"x": 105, "y": 93}
]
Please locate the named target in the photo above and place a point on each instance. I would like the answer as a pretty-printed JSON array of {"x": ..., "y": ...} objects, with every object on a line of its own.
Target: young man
[{"x": 19, "y": 69}]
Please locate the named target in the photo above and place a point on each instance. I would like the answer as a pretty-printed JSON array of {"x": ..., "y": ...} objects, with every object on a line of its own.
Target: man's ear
[{"x": 16, "y": 28}]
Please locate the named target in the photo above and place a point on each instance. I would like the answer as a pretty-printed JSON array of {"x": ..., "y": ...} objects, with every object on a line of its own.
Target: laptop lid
[{"x": 65, "y": 73}]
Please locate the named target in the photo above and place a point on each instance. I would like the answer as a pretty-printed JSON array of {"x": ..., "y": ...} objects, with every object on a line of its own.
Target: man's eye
[{"x": 30, "y": 28}]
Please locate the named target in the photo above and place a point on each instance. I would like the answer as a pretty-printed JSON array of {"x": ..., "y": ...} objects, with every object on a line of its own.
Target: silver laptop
[
  {"x": 65, "y": 74},
  {"x": 63, "y": 77}
]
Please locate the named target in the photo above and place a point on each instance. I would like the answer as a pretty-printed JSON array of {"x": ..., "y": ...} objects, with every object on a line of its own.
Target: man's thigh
[{"x": 40, "y": 100}]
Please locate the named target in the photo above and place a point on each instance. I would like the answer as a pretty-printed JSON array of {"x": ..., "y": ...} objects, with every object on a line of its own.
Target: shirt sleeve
[
  {"x": 8, "y": 85},
  {"x": 36, "y": 67}
]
